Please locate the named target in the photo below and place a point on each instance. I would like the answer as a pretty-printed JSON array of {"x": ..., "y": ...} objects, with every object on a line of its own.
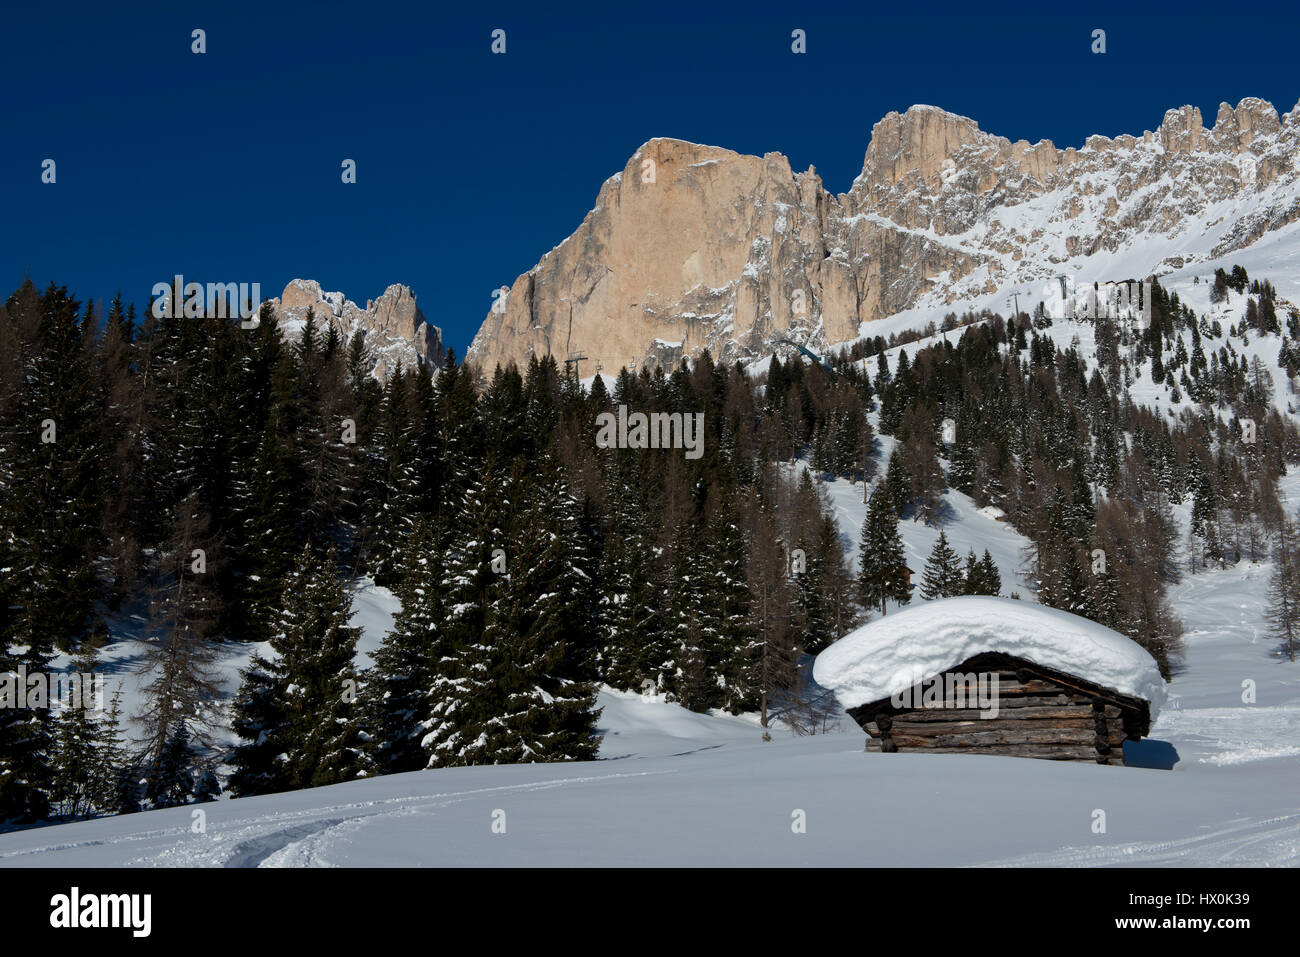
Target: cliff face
[
  {"x": 393, "y": 325},
  {"x": 695, "y": 246}
]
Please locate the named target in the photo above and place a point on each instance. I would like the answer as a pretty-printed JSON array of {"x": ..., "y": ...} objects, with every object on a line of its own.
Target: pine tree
[
  {"x": 472, "y": 590},
  {"x": 520, "y": 684},
  {"x": 942, "y": 577},
  {"x": 1284, "y": 589},
  {"x": 634, "y": 645},
  {"x": 182, "y": 686},
  {"x": 882, "y": 572},
  {"x": 397, "y": 687},
  {"x": 990, "y": 577},
  {"x": 729, "y": 602},
  {"x": 304, "y": 702}
]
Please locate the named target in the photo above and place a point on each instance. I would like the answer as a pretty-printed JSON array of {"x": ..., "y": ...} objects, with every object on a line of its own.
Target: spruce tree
[
  {"x": 897, "y": 482},
  {"x": 543, "y": 688},
  {"x": 513, "y": 689},
  {"x": 882, "y": 568},
  {"x": 459, "y": 687},
  {"x": 634, "y": 642},
  {"x": 810, "y": 598},
  {"x": 172, "y": 776},
  {"x": 990, "y": 577},
  {"x": 692, "y": 623},
  {"x": 730, "y": 603},
  {"x": 942, "y": 577},
  {"x": 398, "y": 686},
  {"x": 972, "y": 575},
  {"x": 88, "y": 755},
  {"x": 297, "y": 714}
]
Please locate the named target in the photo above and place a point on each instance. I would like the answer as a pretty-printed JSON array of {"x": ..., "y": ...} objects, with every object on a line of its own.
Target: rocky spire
[{"x": 394, "y": 327}]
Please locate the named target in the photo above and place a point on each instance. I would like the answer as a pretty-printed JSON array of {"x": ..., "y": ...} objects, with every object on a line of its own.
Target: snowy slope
[
  {"x": 686, "y": 789},
  {"x": 695, "y": 790},
  {"x": 675, "y": 787}
]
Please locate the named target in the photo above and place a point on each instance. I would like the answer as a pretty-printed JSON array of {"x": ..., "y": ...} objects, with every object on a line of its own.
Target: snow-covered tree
[
  {"x": 882, "y": 571},
  {"x": 297, "y": 714},
  {"x": 942, "y": 577}
]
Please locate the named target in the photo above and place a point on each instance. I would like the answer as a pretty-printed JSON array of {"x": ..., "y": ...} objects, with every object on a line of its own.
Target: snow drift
[{"x": 889, "y": 655}]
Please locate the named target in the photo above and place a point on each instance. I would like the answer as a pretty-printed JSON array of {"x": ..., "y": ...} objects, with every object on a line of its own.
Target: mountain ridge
[
  {"x": 693, "y": 246},
  {"x": 395, "y": 330}
]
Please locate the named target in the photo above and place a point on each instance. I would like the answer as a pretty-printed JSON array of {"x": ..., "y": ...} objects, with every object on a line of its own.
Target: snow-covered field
[{"x": 677, "y": 788}]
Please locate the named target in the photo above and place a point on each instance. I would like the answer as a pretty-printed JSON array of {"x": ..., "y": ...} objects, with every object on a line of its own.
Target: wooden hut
[
  {"x": 1041, "y": 713},
  {"x": 994, "y": 676}
]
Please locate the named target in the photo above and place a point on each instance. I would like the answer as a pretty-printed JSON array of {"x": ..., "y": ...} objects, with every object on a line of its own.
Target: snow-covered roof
[{"x": 893, "y": 653}]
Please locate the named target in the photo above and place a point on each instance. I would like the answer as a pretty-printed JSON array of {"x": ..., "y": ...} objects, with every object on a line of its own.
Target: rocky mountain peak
[
  {"x": 394, "y": 328},
  {"x": 693, "y": 247}
]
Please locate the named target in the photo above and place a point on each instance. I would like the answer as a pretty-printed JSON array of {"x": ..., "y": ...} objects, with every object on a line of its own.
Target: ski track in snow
[
  {"x": 1242, "y": 843},
  {"x": 296, "y": 839}
]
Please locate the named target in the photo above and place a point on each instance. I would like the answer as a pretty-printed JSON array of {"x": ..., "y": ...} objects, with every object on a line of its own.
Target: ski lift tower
[
  {"x": 1067, "y": 301},
  {"x": 574, "y": 359}
]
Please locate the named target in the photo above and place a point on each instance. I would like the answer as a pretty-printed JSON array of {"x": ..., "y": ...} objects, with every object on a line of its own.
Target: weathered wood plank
[
  {"x": 1081, "y": 714},
  {"x": 1049, "y": 752},
  {"x": 978, "y": 739}
]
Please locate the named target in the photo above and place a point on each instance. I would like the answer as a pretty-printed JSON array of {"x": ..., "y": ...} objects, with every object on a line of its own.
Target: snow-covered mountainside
[
  {"x": 395, "y": 329},
  {"x": 695, "y": 246},
  {"x": 1214, "y": 784},
  {"x": 678, "y": 788}
]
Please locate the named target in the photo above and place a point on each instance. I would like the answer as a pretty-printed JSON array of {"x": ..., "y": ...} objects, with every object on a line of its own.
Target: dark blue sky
[{"x": 226, "y": 166}]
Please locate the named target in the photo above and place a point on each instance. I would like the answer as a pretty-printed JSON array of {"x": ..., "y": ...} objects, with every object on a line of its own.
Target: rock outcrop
[
  {"x": 693, "y": 247},
  {"x": 394, "y": 328}
]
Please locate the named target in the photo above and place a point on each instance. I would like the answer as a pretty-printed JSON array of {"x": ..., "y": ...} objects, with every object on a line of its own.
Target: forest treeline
[{"x": 195, "y": 484}]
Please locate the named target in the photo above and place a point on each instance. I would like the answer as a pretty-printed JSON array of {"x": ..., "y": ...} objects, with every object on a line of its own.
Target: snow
[
  {"x": 678, "y": 788},
  {"x": 1215, "y": 784},
  {"x": 893, "y": 653}
]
